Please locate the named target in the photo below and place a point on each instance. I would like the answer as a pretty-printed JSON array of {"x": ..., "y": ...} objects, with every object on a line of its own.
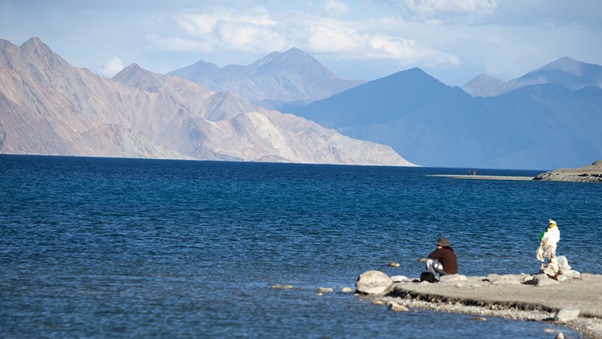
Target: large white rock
[
  {"x": 572, "y": 274},
  {"x": 563, "y": 264},
  {"x": 372, "y": 282},
  {"x": 567, "y": 314}
]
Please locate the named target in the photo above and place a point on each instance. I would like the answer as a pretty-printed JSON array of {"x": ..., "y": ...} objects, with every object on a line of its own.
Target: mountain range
[
  {"x": 52, "y": 108},
  {"x": 549, "y": 118},
  {"x": 565, "y": 72},
  {"x": 280, "y": 81}
]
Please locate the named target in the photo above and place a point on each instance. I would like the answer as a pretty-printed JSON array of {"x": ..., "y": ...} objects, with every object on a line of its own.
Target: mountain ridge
[
  {"x": 49, "y": 107},
  {"x": 566, "y": 72},
  {"x": 279, "y": 80},
  {"x": 538, "y": 126}
]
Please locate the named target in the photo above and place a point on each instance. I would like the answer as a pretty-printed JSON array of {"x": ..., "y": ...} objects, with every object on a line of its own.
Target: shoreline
[
  {"x": 482, "y": 177},
  {"x": 506, "y": 296}
]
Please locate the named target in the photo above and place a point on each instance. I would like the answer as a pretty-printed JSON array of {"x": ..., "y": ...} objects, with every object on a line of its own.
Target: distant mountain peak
[
  {"x": 386, "y": 99},
  {"x": 38, "y": 51},
  {"x": 279, "y": 80},
  {"x": 34, "y": 42},
  {"x": 564, "y": 64},
  {"x": 135, "y": 76},
  {"x": 293, "y": 58},
  {"x": 566, "y": 72},
  {"x": 484, "y": 86}
]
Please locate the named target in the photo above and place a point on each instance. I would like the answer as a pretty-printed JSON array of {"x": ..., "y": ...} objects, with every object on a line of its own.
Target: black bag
[{"x": 427, "y": 276}]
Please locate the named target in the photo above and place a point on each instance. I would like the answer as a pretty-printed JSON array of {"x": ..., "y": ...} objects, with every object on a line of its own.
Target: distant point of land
[{"x": 482, "y": 177}]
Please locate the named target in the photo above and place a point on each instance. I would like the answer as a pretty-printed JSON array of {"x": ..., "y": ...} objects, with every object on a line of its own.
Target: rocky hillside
[
  {"x": 591, "y": 173},
  {"x": 49, "y": 107}
]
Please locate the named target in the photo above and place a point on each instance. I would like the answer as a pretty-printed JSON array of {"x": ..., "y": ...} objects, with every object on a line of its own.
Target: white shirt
[{"x": 551, "y": 237}]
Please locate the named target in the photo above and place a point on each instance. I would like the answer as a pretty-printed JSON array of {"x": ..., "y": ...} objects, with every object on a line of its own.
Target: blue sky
[{"x": 454, "y": 41}]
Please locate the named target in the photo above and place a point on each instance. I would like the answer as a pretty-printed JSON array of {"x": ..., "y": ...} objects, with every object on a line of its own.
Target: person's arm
[{"x": 435, "y": 254}]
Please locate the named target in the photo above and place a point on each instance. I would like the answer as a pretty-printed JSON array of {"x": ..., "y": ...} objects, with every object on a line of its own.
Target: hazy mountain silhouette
[
  {"x": 280, "y": 81},
  {"x": 542, "y": 126},
  {"x": 49, "y": 107},
  {"x": 566, "y": 72}
]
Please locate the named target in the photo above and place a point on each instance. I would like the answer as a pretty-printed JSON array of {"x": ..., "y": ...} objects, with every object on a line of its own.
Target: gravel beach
[{"x": 508, "y": 296}]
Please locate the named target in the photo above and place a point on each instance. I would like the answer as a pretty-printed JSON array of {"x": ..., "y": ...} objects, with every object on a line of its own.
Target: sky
[{"x": 452, "y": 40}]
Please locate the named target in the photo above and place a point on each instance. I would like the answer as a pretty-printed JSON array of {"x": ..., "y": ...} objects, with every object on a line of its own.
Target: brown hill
[{"x": 49, "y": 107}]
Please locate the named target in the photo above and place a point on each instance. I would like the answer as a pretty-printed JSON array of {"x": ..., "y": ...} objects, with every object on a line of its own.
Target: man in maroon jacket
[{"x": 443, "y": 259}]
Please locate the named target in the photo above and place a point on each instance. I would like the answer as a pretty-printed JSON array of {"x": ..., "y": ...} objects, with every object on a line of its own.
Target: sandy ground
[{"x": 506, "y": 297}]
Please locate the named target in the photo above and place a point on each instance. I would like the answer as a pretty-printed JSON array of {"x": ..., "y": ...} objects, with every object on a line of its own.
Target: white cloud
[
  {"x": 333, "y": 37},
  {"x": 408, "y": 52},
  {"x": 366, "y": 40},
  {"x": 257, "y": 31},
  {"x": 332, "y": 8},
  {"x": 221, "y": 29},
  {"x": 111, "y": 67},
  {"x": 440, "y": 11}
]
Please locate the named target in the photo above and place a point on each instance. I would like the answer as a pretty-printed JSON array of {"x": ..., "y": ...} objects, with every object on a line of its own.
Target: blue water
[{"x": 95, "y": 247}]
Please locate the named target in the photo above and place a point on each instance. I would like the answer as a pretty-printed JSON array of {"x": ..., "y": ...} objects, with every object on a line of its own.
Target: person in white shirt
[{"x": 547, "y": 247}]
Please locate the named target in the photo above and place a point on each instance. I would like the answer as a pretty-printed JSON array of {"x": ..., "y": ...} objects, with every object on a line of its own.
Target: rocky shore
[
  {"x": 574, "y": 302},
  {"x": 591, "y": 173}
]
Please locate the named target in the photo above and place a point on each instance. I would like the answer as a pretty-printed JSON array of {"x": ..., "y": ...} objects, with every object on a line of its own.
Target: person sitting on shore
[{"x": 443, "y": 260}]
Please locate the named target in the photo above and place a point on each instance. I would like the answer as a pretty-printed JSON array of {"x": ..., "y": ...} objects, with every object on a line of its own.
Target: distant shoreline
[{"x": 482, "y": 177}]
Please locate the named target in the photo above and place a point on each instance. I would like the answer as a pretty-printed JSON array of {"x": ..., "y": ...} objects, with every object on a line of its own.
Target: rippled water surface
[{"x": 148, "y": 248}]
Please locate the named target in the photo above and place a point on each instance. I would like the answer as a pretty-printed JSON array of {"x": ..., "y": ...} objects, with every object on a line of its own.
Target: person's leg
[
  {"x": 549, "y": 252},
  {"x": 434, "y": 266}
]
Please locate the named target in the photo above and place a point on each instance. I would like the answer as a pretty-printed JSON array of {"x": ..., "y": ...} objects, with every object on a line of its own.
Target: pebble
[
  {"x": 282, "y": 287},
  {"x": 393, "y": 306}
]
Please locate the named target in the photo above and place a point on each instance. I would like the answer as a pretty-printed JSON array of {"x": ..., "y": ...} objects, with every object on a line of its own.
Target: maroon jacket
[{"x": 447, "y": 258}]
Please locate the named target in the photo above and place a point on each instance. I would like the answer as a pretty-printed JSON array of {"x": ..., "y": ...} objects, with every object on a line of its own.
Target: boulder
[
  {"x": 544, "y": 280},
  {"x": 567, "y": 314},
  {"x": 563, "y": 264},
  {"x": 324, "y": 290},
  {"x": 346, "y": 290},
  {"x": 372, "y": 282},
  {"x": 452, "y": 278},
  {"x": 571, "y": 274},
  {"x": 551, "y": 269},
  {"x": 399, "y": 278}
]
